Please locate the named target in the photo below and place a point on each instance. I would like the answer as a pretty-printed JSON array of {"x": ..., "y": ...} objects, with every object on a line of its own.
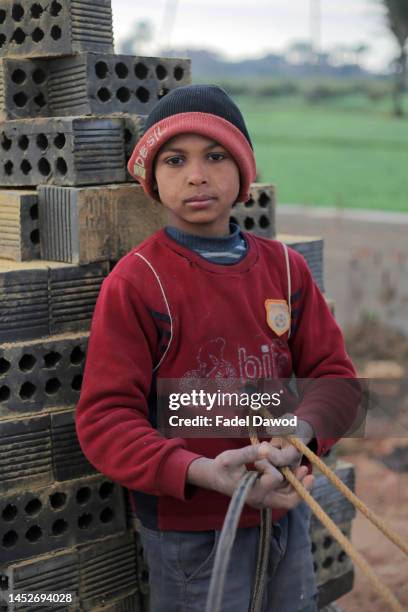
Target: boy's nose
[{"x": 197, "y": 174}]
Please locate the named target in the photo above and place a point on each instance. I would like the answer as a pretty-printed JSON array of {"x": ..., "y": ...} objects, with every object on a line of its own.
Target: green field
[{"x": 346, "y": 152}]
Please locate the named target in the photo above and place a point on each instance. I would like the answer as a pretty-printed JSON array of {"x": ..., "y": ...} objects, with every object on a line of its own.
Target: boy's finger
[{"x": 265, "y": 467}]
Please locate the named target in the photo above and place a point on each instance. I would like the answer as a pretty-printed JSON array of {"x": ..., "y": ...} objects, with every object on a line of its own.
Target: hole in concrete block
[
  {"x": 178, "y": 73},
  {"x": 142, "y": 94},
  {"x": 341, "y": 556},
  {"x": 20, "y": 99},
  {"x": 42, "y": 141},
  {"x": 106, "y": 489},
  {"x": 249, "y": 203},
  {"x": 60, "y": 140},
  {"x": 5, "y": 142},
  {"x": 34, "y": 533},
  {"x": 106, "y": 516},
  {"x": 27, "y": 390},
  {"x": 36, "y": 10},
  {"x": 328, "y": 562},
  {"x": 84, "y": 521},
  {"x": 104, "y": 94},
  {"x": 249, "y": 223},
  {"x": 161, "y": 72},
  {"x": 233, "y": 220},
  {"x": 8, "y": 167},
  {"x": 2, "y": 15},
  {"x": 327, "y": 542},
  {"x": 19, "y": 36},
  {"x": 58, "y": 500},
  {"x": 55, "y": 8},
  {"x": 40, "y": 100},
  {"x": 44, "y": 166},
  {"x": 313, "y": 547},
  {"x": 4, "y": 393},
  {"x": 101, "y": 70},
  {"x": 59, "y": 527},
  {"x": 23, "y": 143},
  {"x": 33, "y": 506},
  {"x": 141, "y": 70},
  {"x": 27, "y": 362},
  {"x": 56, "y": 32},
  {"x": 18, "y": 76},
  {"x": 34, "y": 212},
  {"x": 83, "y": 495},
  {"x": 37, "y": 35},
  {"x": 25, "y": 167},
  {"x": 35, "y": 236},
  {"x": 3, "y": 40},
  {"x": 17, "y": 12},
  {"x": 52, "y": 386},
  {"x": 264, "y": 221},
  {"x": 51, "y": 359},
  {"x": 264, "y": 199},
  {"x": 61, "y": 166},
  {"x": 9, "y": 513},
  {"x": 123, "y": 94},
  {"x": 10, "y": 539},
  {"x": 76, "y": 382},
  {"x": 77, "y": 355},
  {"x": 38, "y": 76},
  {"x": 315, "y": 567},
  {"x": 4, "y": 366},
  {"x": 121, "y": 70}
]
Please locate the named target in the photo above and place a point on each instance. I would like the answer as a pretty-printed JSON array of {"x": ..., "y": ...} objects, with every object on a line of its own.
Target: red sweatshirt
[{"x": 166, "y": 312}]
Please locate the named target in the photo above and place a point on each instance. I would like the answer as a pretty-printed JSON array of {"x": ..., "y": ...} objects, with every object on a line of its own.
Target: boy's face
[{"x": 198, "y": 182}]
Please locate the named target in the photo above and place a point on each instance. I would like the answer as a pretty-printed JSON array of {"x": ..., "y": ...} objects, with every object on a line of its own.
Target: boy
[{"x": 200, "y": 299}]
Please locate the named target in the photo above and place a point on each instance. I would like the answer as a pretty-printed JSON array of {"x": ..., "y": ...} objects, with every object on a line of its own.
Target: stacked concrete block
[
  {"x": 19, "y": 225},
  {"x": 59, "y": 518},
  {"x": 311, "y": 248},
  {"x": 41, "y": 298},
  {"x": 87, "y": 84},
  {"x": 62, "y": 151},
  {"x": 333, "y": 567},
  {"x": 44, "y": 28},
  {"x": 112, "y": 83},
  {"x": 89, "y": 224},
  {"x": 257, "y": 215}
]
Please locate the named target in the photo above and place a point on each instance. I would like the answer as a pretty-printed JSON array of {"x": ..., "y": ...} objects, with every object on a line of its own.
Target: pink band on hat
[{"x": 140, "y": 165}]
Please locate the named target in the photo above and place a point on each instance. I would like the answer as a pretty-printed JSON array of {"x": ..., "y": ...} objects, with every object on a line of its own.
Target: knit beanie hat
[{"x": 206, "y": 110}]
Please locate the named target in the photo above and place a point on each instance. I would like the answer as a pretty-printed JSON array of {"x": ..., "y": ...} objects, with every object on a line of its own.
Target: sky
[{"x": 241, "y": 28}]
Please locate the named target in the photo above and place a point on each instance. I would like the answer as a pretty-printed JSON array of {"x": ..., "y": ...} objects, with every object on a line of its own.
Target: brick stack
[{"x": 70, "y": 113}]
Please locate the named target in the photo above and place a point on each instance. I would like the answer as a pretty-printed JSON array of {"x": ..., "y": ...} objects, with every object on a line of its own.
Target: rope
[
  {"x": 230, "y": 526},
  {"x": 357, "y": 503}
]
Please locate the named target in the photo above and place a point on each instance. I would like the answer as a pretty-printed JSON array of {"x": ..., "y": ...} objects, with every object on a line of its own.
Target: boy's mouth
[{"x": 200, "y": 201}]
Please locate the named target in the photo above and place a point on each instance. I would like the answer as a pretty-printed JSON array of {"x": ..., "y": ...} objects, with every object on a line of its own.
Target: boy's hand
[
  {"x": 289, "y": 455},
  {"x": 223, "y": 473}
]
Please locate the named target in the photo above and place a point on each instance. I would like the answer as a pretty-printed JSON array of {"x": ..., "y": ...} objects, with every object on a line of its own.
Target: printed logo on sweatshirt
[
  {"x": 277, "y": 316},
  {"x": 211, "y": 364},
  {"x": 272, "y": 361}
]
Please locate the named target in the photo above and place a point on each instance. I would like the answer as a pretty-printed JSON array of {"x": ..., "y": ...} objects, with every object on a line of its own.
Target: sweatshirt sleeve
[
  {"x": 112, "y": 416},
  {"x": 326, "y": 378}
]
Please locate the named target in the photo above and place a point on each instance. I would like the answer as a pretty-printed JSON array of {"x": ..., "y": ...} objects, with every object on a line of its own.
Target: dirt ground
[{"x": 378, "y": 351}]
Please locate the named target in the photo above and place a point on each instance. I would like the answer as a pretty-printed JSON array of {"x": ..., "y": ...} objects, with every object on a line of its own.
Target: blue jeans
[{"x": 180, "y": 565}]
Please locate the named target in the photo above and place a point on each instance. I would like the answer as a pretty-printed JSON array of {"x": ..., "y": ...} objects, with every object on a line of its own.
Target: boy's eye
[
  {"x": 217, "y": 156},
  {"x": 174, "y": 161}
]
